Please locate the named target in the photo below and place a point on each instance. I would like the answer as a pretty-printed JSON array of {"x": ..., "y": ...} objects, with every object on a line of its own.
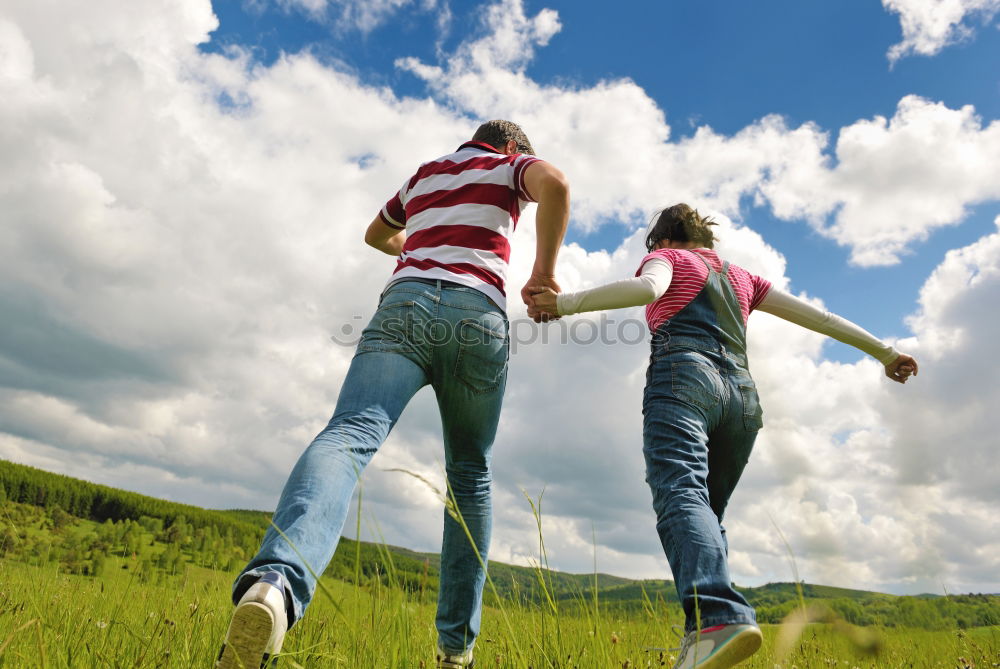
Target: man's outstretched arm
[
  {"x": 550, "y": 189},
  {"x": 385, "y": 238}
]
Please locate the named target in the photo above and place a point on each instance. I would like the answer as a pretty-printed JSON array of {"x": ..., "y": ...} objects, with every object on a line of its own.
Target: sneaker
[
  {"x": 718, "y": 647},
  {"x": 258, "y": 626},
  {"x": 446, "y": 661}
]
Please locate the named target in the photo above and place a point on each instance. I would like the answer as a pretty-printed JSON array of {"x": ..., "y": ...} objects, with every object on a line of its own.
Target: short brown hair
[
  {"x": 681, "y": 223},
  {"x": 498, "y": 132}
]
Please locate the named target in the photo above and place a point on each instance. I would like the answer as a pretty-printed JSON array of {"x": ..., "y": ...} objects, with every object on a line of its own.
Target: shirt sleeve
[
  {"x": 761, "y": 287},
  {"x": 800, "y": 312},
  {"x": 521, "y": 164},
  {"x": 650, "y": 285},
  {"x": 393, "y": 213}
]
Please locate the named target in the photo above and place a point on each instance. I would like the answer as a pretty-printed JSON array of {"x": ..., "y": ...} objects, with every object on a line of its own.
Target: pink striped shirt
[
  {"x": 458, "y": 212},
  {"x": 690, "y": 275}
]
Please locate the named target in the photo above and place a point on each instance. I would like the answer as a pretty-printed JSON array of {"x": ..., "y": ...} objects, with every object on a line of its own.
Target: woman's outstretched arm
[
  {"x": 643, "y": 289},
  {"x": 898, "y": 366}
]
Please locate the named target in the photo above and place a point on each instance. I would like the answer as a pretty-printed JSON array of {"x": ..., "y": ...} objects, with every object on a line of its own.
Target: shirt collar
[{"x": 478, "y": 145}]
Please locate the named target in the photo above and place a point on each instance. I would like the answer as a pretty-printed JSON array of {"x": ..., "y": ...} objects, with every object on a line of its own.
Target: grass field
[{"x": 48, "y": 619}]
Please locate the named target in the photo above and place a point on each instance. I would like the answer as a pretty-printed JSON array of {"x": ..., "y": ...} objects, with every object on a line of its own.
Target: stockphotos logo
[{"x": 521, "y": 332}]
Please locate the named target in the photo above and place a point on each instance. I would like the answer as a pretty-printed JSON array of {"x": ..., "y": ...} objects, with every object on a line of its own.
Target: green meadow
[
  {"x": 91, "y": 576},
  {"x": 52, "y": 619}
]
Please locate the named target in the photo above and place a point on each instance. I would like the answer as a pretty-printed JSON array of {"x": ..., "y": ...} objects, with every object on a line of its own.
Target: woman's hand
[
  {"x": 537, "y": 283},
  {"x": 900, "y": 369},
  {"x": 543, "y": 303}
]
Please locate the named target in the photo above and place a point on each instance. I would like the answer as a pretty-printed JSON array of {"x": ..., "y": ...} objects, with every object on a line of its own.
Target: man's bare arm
[
  {"x": 550, "y": 189},
  {"x": 385, "y": 238}
]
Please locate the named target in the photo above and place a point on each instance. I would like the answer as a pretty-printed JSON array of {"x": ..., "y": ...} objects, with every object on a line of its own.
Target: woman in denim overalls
[{"x": 700, "y": 410}]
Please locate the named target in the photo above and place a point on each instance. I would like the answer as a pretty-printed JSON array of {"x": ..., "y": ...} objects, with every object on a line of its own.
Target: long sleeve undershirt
[
  {"x": 654, "y": 281},
  {"x": 643, "y": 289}
]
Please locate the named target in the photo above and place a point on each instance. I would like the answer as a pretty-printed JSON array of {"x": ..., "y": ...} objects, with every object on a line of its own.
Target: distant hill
[
  {"x": 96, "y": 502},
  {"x": 28, "y": 485},
  {"x": 510, "y": 580},
  {"x": 167, "y": 535}
]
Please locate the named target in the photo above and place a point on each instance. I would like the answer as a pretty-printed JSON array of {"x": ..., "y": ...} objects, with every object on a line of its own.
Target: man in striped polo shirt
[{"x": 442, "y": 322}]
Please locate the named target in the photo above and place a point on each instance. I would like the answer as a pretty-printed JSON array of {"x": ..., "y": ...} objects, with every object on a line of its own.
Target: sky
[{"x": 185, "y": 187}]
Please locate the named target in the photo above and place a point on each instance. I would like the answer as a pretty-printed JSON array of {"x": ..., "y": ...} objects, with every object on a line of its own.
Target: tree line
[
  {"x": 50, "y": 518},
  {"x": 28, "y": 485}
]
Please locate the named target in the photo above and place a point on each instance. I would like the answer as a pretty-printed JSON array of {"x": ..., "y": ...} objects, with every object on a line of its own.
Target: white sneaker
[
  {"x": 258, "y": 627},
  {"x": 463, "y": 661},
  {"x": 718, "y": 647}
]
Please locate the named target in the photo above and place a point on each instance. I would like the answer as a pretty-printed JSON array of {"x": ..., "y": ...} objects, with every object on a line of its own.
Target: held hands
[
  {"x": 900, "y": 369},
  {"x": 543, "y": 305},
  {"x": 539, "y": 284}
]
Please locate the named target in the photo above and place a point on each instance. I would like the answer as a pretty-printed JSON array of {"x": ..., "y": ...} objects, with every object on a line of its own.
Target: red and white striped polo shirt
[
  {"x": 690, "y": 275},
  {"x": 458, "y": 212}
]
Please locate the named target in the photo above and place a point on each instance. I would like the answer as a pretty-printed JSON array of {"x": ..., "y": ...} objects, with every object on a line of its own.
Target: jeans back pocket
[
  {"x": 696, "y": 383},
  {"x": 483, "y": 352},
  {"x": 392, "y": 328},
  {"x": 753, "y": 414}
]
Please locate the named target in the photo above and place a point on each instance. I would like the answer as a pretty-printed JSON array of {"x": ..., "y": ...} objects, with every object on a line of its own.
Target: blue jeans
[
  {"x": 700, "y": 418},
  {"x": 455, "y": 339}
]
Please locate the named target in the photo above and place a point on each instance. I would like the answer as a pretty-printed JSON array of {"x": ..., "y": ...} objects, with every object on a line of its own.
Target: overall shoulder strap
[{"x": 708, "y": 265}]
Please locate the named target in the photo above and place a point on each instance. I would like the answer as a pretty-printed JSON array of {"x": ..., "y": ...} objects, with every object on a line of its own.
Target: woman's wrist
[
  {"x": 889, "y": 356},
  {"x": 567, "y": 303}
]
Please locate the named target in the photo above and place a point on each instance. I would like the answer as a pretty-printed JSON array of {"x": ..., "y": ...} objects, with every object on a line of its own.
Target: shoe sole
[
  {"x": 737, "y": 649},
  {"x": 249, "y": 632}
]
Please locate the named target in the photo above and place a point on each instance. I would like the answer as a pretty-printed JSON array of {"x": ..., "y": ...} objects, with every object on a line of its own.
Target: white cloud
[
  {"x": 895, "y": 181},
  {"x": 931, "y": 25},
  {"x": 956, "y": 322},
  {"x": 181, "y": 235}
]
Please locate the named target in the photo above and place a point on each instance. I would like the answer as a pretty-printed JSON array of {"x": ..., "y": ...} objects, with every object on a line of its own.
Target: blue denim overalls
[{"x": 700, "y": 418}]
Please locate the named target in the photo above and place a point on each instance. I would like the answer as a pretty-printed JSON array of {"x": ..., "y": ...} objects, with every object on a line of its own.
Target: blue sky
[{"x": 186, "y": 184}]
